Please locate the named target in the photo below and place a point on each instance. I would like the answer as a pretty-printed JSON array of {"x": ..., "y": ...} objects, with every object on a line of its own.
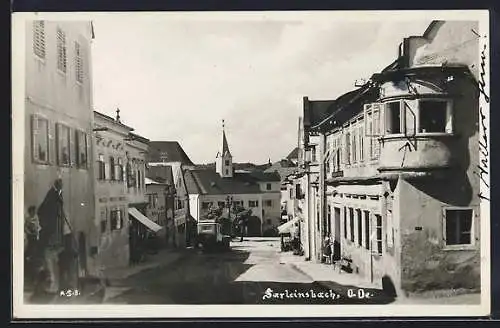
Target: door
[{"x": 336, "y": 234}]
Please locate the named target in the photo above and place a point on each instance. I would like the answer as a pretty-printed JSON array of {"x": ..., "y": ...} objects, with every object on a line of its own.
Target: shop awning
[
  {"x": 286, "y": 227},
  {"x": 143, "y": 219}
]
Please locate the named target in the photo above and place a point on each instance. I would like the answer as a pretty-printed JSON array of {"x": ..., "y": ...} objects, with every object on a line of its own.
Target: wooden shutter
[
  {"x": 88, "y": 150},
  {"x": 34, "y": 137},
  {"x": 71, "y": 149}
]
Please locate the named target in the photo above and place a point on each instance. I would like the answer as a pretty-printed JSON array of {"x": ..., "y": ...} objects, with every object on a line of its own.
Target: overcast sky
[{"x": 176, "y": 80}]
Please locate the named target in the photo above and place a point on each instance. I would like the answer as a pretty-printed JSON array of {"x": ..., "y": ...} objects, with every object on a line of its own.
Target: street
[{"x": 251, "y": 273}]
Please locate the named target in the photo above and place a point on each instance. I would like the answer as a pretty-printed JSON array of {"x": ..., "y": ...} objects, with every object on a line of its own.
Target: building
[
  {"x": 397, "y": 158},
  {"x": 58, "y": 127},
  {"x": 111, "y": 196},
  {"x": 160, "y": 191},
  {"x": 225, "y": 187},
  {"x": 170, "y": 154}
]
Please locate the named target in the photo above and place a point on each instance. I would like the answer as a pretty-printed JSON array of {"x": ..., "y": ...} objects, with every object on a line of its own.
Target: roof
[
  {"x": 225, "y": 147},
  {"x": 167, "y": 151},
  {"x": 111, "y": 120},
  {"x": 160, "y": 174},
  {"x": 136, "y": 137},
  {"x": 294, "y": 154},
  {"x": 149, "y": 181},
  {"x": 316, "y": 110},
  {"x": 209, "y": 182},
  {"x": 282, "y": 168}
]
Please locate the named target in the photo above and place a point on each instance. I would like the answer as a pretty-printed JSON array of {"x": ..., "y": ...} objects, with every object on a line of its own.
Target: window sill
[{"x": 468, "y": 247}]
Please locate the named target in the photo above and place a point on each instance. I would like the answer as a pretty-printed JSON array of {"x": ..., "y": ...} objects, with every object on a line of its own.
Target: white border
[{"x": 253, "y": 311}]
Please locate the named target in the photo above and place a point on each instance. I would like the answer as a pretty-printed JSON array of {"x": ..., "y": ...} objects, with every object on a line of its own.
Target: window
[
  {"x": 313, "y": 154},
  {"x": 116, "y": 219},
  {"x": 268, "y": 202},
  {"x": 378, "y": 226},
  {"x": 367, "y": 229},
  {"x": 328, "y": 224},
  {"x": 372, "y": 128},
  {"x": 206, "y": 205},
  {"x": 63, "y": 145},
  {"x": 119, "y": 169},
  {"x": 227, "y": 162},
  {"x": 40, "y": 135},
  {"x": 81, "y": 149},
  {"x": 39, "y": 38},
  {"x": 360, "y": 227},
  {"x": 155, "y": 200},
  {"x": 354, "y": 137},
  {"x": 61, "y": 50},
  {"x": 112, "y": 170},
  {"x": 458, "y": 226},
  {"x": 291, "y": 193},
  {"x": 361, "y": 144},
  {"x": 345, "y": 222},
  {"x": 268, "y": 186},
  {"x": 253, "y": 203},
  {"x": 393, "y": 118},
  {"x": 78, "y": 63},
  {"x": 227, "y": 171},
  {"x": 104, "y": 220},
  {"x": 268, "y": 221},
  {"x": 138, "y": 182},
  {"x": 298, "y": 191},
  {"x": 434, "y": 116},
  {"x": 347, "y": 157},
  {"x": 101, "y": 164},
  {"x": 351, "y": 223},
  {"x": 221, "y": 204},
  {"x": 390, "y": 230}
]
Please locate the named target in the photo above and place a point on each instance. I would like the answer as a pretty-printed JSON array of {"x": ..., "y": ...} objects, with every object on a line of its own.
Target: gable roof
[
  {"x": 167, "y": 151},
  {"x": 209, "y": 182},
  {"x": 160, "y": 174},
  {"x": 294, "y": 154}
]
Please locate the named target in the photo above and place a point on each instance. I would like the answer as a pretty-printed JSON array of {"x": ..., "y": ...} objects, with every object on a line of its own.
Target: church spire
[{"x": 225, "y": 147}]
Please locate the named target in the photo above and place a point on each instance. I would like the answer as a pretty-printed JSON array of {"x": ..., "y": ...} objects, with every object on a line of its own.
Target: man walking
[{"x": 51, "y": 215}]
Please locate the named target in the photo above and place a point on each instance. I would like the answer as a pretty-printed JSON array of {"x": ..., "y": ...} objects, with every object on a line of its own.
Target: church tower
[{"x": 224, "y": 160}]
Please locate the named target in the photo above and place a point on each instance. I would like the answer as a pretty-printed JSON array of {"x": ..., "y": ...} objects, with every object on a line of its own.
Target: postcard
[{"x": 251, "y": 164}]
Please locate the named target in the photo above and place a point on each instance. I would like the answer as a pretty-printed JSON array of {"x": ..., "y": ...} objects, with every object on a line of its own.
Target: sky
[{"x": 176, "y": 79}]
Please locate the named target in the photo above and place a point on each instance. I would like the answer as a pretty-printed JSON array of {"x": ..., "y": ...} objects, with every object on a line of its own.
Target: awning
[
  {"x": 143, "y": 219},
  {"x": 285, "y": 227}
]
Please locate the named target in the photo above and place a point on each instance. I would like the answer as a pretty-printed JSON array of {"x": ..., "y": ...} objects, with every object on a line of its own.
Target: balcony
[{"x": 416, "y": 155}]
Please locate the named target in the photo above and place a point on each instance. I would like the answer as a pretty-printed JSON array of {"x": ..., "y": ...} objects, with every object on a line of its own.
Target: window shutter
[
  {"x": 51, "y": 144},
  {"x": 88, "y": 149},
  {"x": 72, "y": 149},
  {"x": 58, "y": 143},
  {"x": 34, "y": 137}
]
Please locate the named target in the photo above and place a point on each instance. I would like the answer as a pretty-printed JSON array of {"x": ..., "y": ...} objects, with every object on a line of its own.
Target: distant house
[
  {"x": 171, "y": 154},
  {"x": 225, "y": 186}
]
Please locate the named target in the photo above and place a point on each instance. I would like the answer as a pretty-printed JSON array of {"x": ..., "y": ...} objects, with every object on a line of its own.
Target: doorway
[{"x": 337, "y": 243}]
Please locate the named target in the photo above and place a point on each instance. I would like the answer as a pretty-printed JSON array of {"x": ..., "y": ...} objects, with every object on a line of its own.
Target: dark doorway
[
  {"x": 336, "y": 214},
  {"x": 253, "y": 226}
]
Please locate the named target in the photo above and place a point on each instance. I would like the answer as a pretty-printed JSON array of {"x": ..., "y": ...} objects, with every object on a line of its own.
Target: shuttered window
[
  {"x": 39, "y": 38},
  {"x": 81, "y": 150},
  {"x": 61, "y": 50},
  {"x": 40, "y": 136},
  {"x": 78, "y": 63},
  {"x": 63, "y": 145}
]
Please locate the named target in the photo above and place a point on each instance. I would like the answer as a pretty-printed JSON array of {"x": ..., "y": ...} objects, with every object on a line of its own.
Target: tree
[{"x": 241, "y": 216}]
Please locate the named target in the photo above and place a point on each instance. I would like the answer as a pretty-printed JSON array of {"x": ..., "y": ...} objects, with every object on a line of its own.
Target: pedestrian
[
  {"x": 31, "y": 244},
  {"x": 51, "y": 214},
  {"x": 327, "y": 250}
]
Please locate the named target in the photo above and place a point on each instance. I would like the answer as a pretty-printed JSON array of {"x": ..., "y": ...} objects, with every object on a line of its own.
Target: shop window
[
  {"x": 116, "y": 218},
  {"x": 378, "y": 221},
  {"x": 104, "y": 220},
  {"x": 351, "y": 224},
  {"x": 81, "y": 149},
  {"x": 40, "y": 135},
  {"x": 367, "y": 229},
  {"x": 393, "y": 118},
  {"x": 253, "y": 203},
  {"x": 458, "y": 226},
  {"x": 39, "y": 38},
  {"x": 345, "y": 222},
  {"x": 360, "y": 227},
  {"x": 63, "y": 145},
  {"x": 434, "y": 116}
]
